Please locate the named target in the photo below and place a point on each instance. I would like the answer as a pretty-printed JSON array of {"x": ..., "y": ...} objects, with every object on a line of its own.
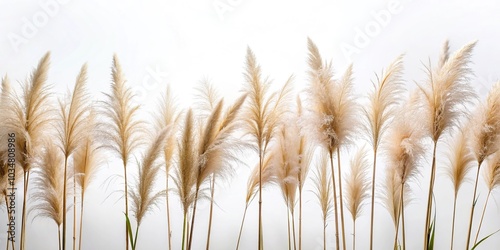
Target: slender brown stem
[
  {"x": 59, "y": 236},
  {"x": 64, "y": 202},
  {"x": 482, "y": 217},
  {"x": 212, "y": 188},
  {"x": 74, "y": 211},
  {"x": 473, "y": 205},
  {"x": 126, "y": 202},
  {"x": 300, "y": 216},
  {"x": 293, "y": 232},
  {"x": 190, "y": 235},
  {"x": 373, "y": 196},
  {"x": 81, "y": 220},
  {"x": 335, "y": 203},
  {"x": 429, "y": 197},
  {"x": 288, "y": 226},
  {"x": 23, "y": 218},
  {"x": 261, "y": 247},
  {"x": 453, "y": 221},
  {"x": 402, "y": 209},
  {"x": 341, "y": 199},
  {"x": 241, "y": 227},
  {"x": 324, "y": 234},
  {"x": 168, "y": 217},
  {"x": 353, "y": 234}
]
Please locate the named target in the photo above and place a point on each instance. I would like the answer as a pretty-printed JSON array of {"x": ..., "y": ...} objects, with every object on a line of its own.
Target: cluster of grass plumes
[{"x": 61, "y": 144}]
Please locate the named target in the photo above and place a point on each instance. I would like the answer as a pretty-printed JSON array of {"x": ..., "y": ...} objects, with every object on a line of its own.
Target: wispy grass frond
[
  {"x": 323, "y": 186},
  {"x": 268, "y": 177},
  {"x": 460, "y": 160},
  {"x": 285, "y": 161},
  {"x": 88, "y": 157},
  {"x": 124, "y": 129},
  {"x": 333, "y": 102},
  {"x": 405, "y": 147},
  {"x": 219, "y": 152},
  {"x": 142, "y": 195},
  {"x": 357, "y": 183},
  {"x": 185, "y": 173},
  {"x": 447, "y": 92},
  {"x": 486, "y": 126},
  {"x": 391, "y": 197},
  {"x": 49, "y": 180},
  {"x": 73, "y": 114},
  {"x": 265, "y": 108},
  {"x": 207, "y": 96},
  {"x": 445, "y": 54},
  {"x": 492, "y": 172},
  {"x": 383, "y": 100},
  {"x": 31, "y": 113}
]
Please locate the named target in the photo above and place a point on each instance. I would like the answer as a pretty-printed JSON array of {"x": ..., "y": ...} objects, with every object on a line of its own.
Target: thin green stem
[
  {"x": 184, "y": 231},
  {"x": 429, "y": 196},
  {"x": 482, "y": 216},
  {"x": 473, "y": 206}
]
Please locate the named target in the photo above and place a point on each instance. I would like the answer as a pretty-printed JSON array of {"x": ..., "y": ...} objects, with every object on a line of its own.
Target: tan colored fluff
[
  {"x": 486, "y": 126},
  {"x": 357, "y": 183},
  {"x": 333, "y": 102},
  {"x": 185, "y": 173},
  {"x": 29, "y": 116},
  {"x": 124, "y": 130},
  {"x": 323, "y": 187},
  {"x": 49, "y": 178},
  {"x": 447, "y": 91},
  {"x": 31, "y": 113},
  {"x": 142, "y": 195},
  {"x": 268, "y": 177},
  {"x": 383, "y": 99},
  {"x": 168, "y": 116},
  {"x": 492, "y": 172},
  {"x": 460, "y": 160}
]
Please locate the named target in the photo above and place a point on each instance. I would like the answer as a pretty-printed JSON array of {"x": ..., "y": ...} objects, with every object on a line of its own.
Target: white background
[{"x": 181, "y": 42}]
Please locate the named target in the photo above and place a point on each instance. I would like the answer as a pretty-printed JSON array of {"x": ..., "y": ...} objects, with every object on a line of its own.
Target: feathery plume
[
  {"x": 380, "y": 111},
  {"x": 485, "y": 138},
  {"x": 123, "y": 129},
  {"x": 357, "y": 183},
  {"x": 49, "y": 174},
  {"x": 168, "y": 117},
  {"x": 142, "y": 195},
  {"x": 263, "y": 114},
  {"x": 29, "y": 116},
  {"x": 334, "y": 114},
  {"x": 445, "y": 98},
  {"x": 322, "y": 189},
  {"x": 404, "y": 151}
]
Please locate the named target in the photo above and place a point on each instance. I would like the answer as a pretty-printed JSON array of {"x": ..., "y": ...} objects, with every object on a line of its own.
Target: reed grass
[
  {"x": 29, "y": 116},
  {"x": 446, "y": 96},
  {"x": 123, "y": 129},
  {"x": 379, "y": 113}
]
